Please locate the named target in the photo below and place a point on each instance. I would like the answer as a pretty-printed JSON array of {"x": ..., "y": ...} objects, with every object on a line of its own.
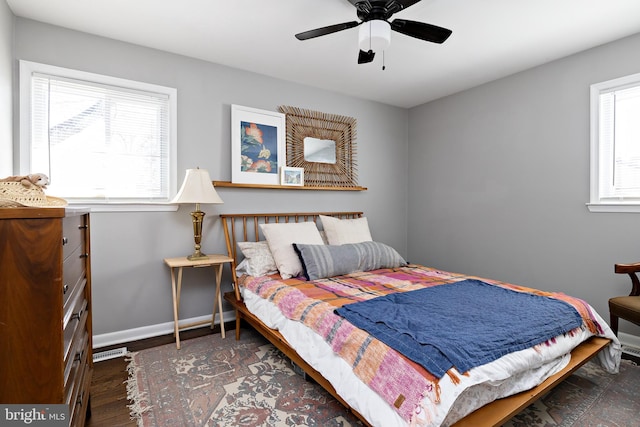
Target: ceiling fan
[{"x": 375, "y": 35}]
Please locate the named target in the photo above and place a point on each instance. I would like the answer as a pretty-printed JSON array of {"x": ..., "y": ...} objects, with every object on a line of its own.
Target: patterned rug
[
  {"x": 212, "y": 381},
  {"x": 223, "y": 382},
  {"x": 589, "y": 398}
]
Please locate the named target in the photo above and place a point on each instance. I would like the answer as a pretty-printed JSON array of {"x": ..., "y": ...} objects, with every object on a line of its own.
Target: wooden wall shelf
[{"x": 285, "y": 187}]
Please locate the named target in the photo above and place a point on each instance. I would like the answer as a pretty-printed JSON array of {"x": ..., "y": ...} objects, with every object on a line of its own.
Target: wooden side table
[{"x": 215, "y": 261}]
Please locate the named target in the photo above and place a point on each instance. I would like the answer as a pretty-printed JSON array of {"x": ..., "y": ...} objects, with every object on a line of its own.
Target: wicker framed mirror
[{"x": 317, "y": 129}]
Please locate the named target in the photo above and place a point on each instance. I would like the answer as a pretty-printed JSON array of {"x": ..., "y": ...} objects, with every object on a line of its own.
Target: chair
[{"x": 627, "y": 308}]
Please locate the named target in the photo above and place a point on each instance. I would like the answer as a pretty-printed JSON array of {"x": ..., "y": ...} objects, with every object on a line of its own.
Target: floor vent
[
  {"x": 109, "y": 354},
  {"x": 634, "y": 351}
]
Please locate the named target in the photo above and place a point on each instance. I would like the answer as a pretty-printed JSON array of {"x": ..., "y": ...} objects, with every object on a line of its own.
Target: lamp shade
[
  {"x": 374, "y": 35},
  {"x": 197, "y": 188}
]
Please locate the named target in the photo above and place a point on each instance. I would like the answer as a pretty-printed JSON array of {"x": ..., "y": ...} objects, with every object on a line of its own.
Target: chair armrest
[
  {"x": 628, "y": 268},
  {"x": 631, "y": 270}
]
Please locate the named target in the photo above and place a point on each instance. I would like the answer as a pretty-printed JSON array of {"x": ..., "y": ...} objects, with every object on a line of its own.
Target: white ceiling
[{"x": 491, "y": 38}]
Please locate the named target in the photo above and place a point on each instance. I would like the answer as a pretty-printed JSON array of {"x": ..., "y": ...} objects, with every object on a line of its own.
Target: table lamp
[{"x": 197, "y": 188}]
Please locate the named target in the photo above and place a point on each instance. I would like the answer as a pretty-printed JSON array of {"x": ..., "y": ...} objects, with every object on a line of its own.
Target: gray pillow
[{"x": 320, "y": 261}]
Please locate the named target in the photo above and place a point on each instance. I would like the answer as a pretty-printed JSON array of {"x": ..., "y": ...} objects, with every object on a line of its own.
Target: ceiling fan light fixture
[{"x": 374, "y": 35}]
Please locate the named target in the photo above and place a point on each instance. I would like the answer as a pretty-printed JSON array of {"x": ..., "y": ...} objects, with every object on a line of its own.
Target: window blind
[
  {"x": 620, "y": 143},
  {"x": 100, "y": 142}
]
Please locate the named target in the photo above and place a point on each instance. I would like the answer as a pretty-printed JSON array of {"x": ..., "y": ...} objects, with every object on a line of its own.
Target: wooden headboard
[{"x": 246, "y": 227}]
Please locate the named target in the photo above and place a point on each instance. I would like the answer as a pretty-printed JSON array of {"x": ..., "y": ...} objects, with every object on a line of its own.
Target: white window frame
[
  {"x": 597, "y": 202},
  {"x": 28, "y": 68}
]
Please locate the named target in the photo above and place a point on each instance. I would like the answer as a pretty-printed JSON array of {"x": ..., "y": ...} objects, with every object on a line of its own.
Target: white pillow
[
  {"x": 342, "y": 231},
  {"x": 257, "y": 259},
  {"x": 282, "y": 236}
]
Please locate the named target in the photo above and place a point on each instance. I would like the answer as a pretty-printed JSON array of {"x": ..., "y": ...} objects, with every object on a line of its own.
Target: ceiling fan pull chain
[{"x": 383, "y": 67}]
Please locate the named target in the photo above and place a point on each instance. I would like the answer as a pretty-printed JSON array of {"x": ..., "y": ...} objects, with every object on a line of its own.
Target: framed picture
[
  {"x": 291, "y": 176},
  {"x": 257, "y": 145}
]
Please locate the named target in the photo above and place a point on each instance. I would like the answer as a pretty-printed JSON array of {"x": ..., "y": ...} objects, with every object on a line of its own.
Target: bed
[{"x": 380, "y": 385}]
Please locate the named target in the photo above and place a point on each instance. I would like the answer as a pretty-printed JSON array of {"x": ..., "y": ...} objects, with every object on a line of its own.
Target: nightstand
[{"x": 215, "y": 261}]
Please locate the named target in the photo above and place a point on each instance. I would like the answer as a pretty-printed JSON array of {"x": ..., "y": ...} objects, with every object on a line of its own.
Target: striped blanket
[{"x": 398, "y": 380}]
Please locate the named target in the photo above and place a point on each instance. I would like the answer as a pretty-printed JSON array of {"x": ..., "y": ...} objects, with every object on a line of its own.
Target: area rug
[
  {"x": 213, "y": 381},
  {"x": 590, "y": 397},
  {"x": 223, "y": 382}
]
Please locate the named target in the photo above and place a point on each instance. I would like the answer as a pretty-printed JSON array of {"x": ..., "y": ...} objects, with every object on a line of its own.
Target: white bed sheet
[{"x": 508, "y": 375}]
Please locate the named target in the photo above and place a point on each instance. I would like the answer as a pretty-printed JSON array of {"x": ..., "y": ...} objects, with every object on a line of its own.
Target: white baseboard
[{"x": 113, "y": 338}]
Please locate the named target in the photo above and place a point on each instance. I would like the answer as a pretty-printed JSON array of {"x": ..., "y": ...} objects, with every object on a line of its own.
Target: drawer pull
[
  {"x": 65, "y": 288},
  {"x": 80, "y": 398},
  {"x": 85, "y": 255},
  {"x": 78, "y": 357},
  {"x": 83, "y": 227},
  {"x": 65, "y": 241},
  {"x": 77, "y": 315}
]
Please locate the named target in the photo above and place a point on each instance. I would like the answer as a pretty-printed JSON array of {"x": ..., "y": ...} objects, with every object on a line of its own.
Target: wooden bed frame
[{"x": 245, "y": 227}]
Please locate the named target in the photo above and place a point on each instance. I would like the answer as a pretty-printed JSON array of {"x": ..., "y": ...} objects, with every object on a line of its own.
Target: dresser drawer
[
  {"x": 78, "y": 413},
  {"x": 78, "y": 363},
  {"x": 72, "y": 234},
  {"x": 74, "y": 333},
  {"x": 73, "y": 273}
]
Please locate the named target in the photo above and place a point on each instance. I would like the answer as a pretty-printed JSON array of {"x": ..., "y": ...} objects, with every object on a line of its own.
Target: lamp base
[
  {"x": 196, "y": 217},
  {"x": 197, "y": 255}
]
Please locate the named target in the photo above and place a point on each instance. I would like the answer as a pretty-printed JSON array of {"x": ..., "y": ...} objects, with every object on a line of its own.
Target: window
[
  {"x": 99, "y": 139},
  {"x": 615, "y": 145}
]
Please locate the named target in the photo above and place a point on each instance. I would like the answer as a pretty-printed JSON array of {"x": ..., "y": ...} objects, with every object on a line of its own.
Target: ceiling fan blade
[
  {"x": 326, "y": 30},
  {"x": 365, "y": 57},
  {"x": 420, "y": 30}
]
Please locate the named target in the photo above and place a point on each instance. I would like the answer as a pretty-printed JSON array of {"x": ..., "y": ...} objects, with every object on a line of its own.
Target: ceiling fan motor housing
[{"x": 368, "y": 10}]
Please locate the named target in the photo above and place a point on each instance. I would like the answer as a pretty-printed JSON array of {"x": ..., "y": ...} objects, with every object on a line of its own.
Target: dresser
[{"x": 45, "y": 308}]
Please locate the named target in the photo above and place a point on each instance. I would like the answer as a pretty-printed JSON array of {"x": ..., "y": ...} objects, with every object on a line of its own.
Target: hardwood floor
[{"x": 108, "y": 389}]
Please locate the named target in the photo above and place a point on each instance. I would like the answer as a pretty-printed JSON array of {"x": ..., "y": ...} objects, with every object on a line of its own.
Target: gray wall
[
  {"x": 131, "y": 285},
  {"x": 6, "y": 97},
  {"x": 499, "y": 178}
]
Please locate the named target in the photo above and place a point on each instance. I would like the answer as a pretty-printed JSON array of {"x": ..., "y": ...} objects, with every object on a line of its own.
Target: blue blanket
[{"x": 463, "y": 324}]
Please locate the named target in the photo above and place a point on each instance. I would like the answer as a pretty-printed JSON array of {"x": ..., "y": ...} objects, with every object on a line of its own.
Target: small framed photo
[
  {"x": 291, "y": 176},
  {"x": 257, "y": 145}
]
